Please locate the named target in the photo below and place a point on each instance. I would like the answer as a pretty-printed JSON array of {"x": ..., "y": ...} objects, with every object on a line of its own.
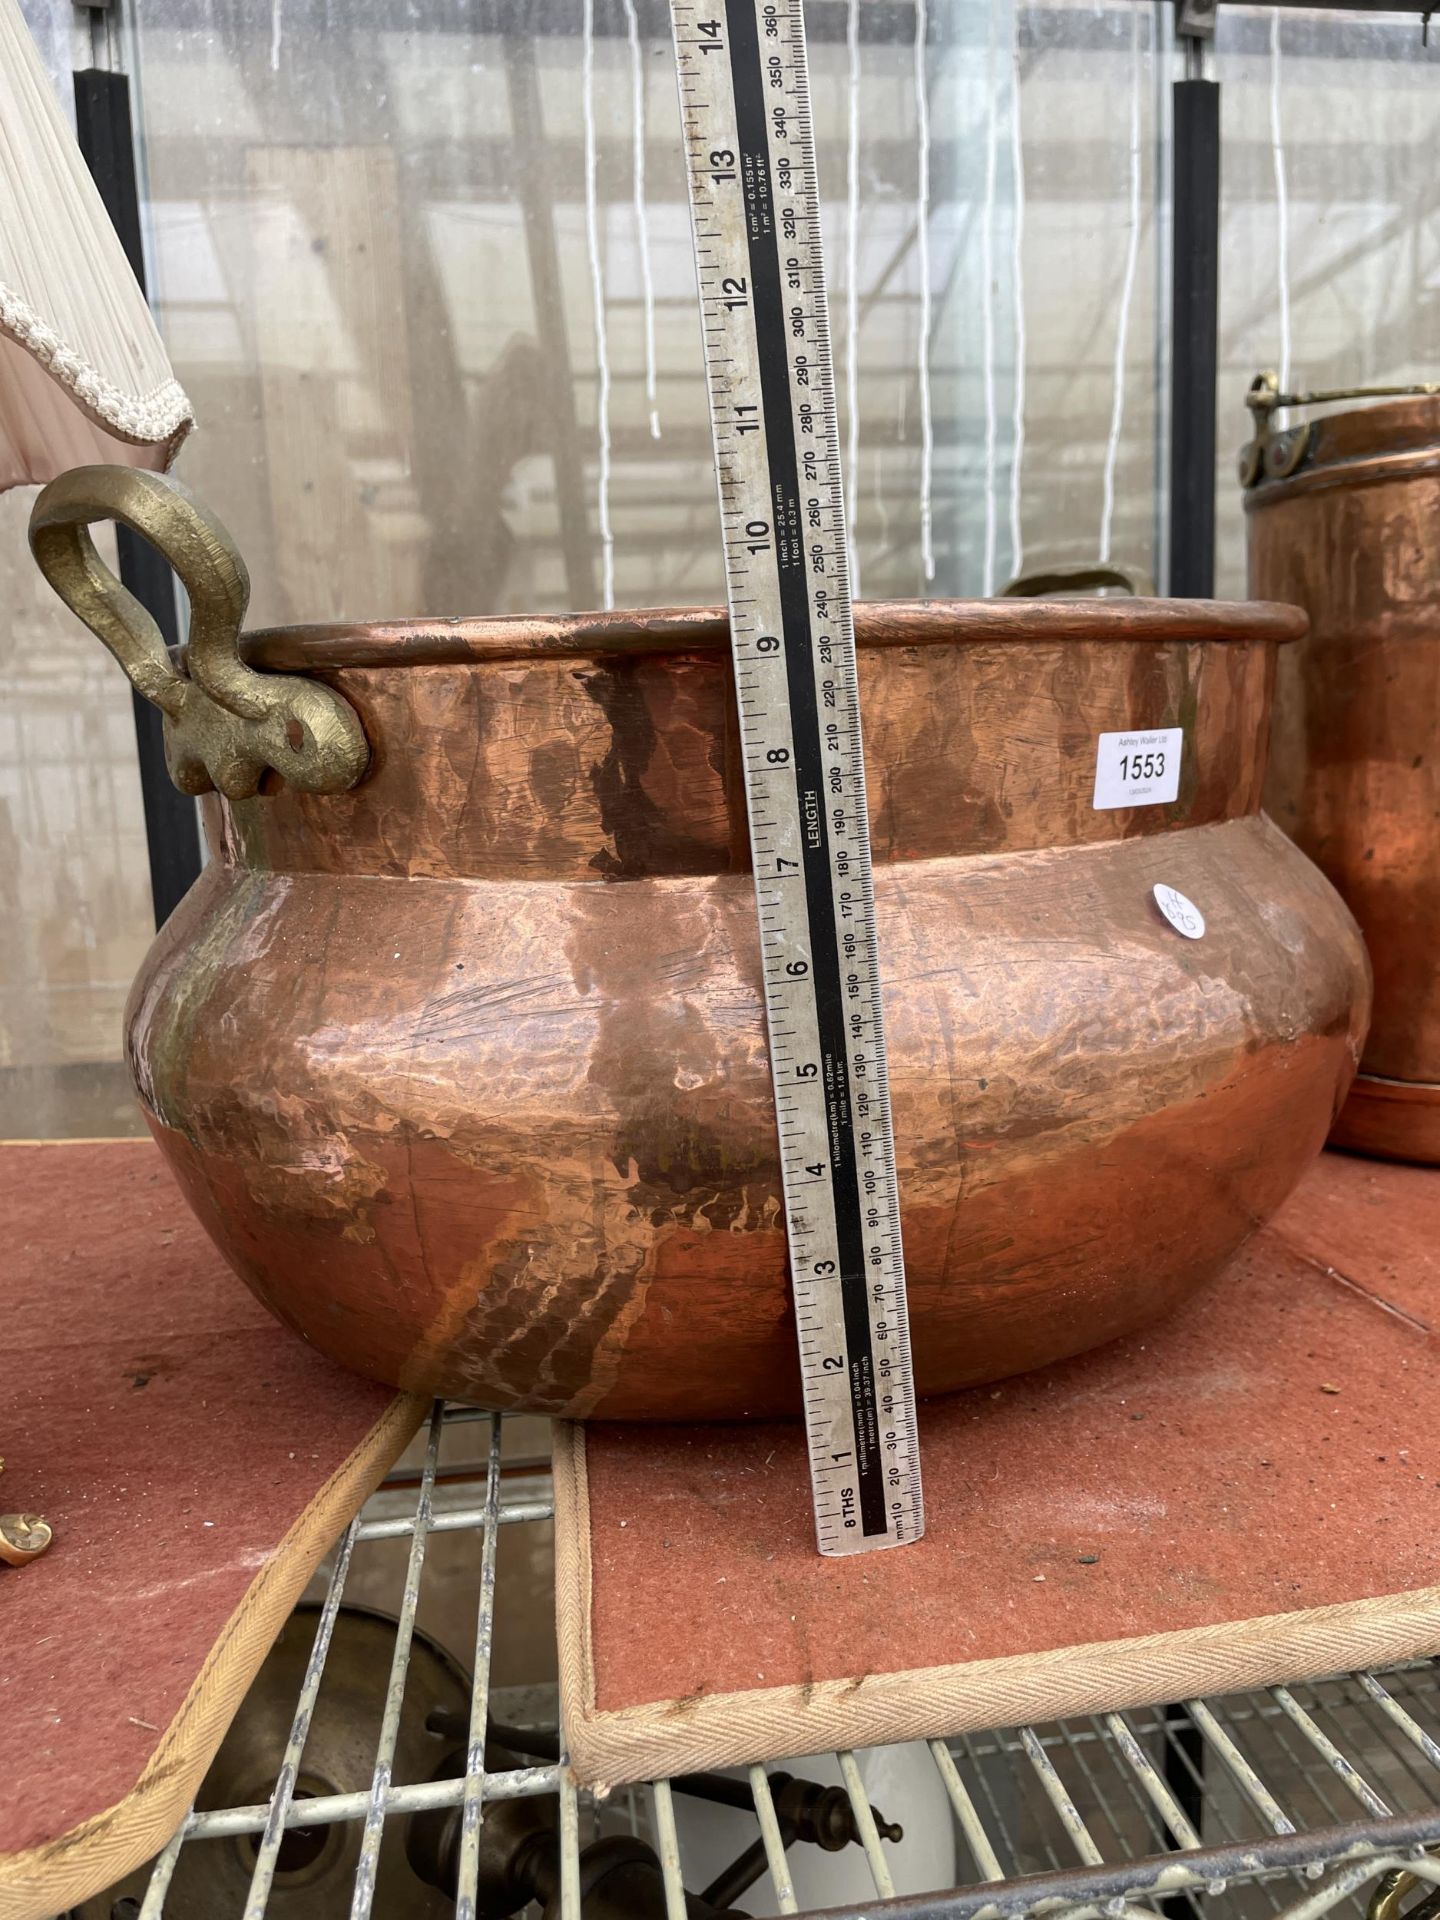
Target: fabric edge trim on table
[
  {"x": 99, "y": 1851},
  {"x": 659, "y": 1739}
]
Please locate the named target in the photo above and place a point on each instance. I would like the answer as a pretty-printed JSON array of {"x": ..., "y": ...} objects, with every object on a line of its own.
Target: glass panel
[
  {"x": 75, "y": 915},
  {"x": 1330, "y": 255},
  {"x": 1094, "y": 115},
  {"x": 427, "y": 274}
]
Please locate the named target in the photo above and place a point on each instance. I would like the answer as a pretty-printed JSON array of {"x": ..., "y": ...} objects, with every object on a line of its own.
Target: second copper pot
[{"x": 1349, "y": 529}]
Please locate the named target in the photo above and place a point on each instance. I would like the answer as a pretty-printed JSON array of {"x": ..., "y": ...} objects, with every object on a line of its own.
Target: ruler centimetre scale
[{"x": 755, "y": 209}]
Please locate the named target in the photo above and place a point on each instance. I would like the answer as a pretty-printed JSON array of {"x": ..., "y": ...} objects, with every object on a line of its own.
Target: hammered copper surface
[
  {"x": 625, "y": 764},
  {"x": 466, "y": 1071},
  {"x": 1354, "y": 538}
]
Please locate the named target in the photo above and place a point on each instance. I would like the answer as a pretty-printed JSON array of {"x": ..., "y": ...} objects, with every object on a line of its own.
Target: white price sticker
[{"x": 1138, "y": 769}]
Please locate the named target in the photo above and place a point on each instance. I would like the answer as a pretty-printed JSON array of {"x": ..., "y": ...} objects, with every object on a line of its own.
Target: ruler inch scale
[{"x": 755, "y": 214}]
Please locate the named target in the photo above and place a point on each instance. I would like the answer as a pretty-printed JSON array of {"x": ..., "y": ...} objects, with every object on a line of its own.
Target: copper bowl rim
[{"x": 878, "y": 623}]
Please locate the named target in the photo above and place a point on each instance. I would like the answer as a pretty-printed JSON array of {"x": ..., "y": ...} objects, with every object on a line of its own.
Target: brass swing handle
[
  {"x": 1275, "y": 456},
  {"x": 1086, "y": 577},
  {"x": 225, "y": 724}
]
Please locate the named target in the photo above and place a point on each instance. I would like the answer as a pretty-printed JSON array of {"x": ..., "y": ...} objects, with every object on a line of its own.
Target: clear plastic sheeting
[
  {"x": 1330, "y": 240},
  {"x": 432, "y": 273}
]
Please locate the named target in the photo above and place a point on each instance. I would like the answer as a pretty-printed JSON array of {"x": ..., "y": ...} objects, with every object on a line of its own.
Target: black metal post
[
  {"x": 1194, "y": 337},
  {"x": 106, "y": 133}
]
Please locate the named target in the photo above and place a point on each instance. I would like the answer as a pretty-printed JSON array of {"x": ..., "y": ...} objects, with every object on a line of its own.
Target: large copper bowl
[
  {"x": 1350, "y": 531},
  {"x": 465, "y": 1069}
]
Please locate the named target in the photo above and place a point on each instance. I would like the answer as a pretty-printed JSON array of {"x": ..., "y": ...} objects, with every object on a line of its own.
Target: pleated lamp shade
[{"x": 83, "y": 374}]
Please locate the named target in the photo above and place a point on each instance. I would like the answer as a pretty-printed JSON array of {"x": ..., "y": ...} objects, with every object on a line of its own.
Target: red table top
[
  {"x": 195, "y": 1460},
  {"x": 1272, "y": 1447}
]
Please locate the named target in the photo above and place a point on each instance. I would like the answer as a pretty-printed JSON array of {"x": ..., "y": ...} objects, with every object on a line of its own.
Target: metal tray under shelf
[{"x": 1291, "y": 1801}]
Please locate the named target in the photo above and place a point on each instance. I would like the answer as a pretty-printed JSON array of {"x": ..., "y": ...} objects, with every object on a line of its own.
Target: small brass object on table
[{"x": 23, "y": 1536}]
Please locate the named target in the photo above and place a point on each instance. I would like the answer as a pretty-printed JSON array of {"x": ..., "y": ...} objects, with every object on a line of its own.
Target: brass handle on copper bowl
[
  {"x": 1087, "y": 577},
  {"x": 225, "y": 724}
]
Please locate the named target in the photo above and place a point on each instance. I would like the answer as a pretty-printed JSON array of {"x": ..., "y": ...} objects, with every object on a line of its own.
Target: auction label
[
  {"x": 1182, "y": 913},
  {"x": 1138, "y": 769}
]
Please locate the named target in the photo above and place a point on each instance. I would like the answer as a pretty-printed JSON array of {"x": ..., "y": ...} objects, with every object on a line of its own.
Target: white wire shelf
[{"x": 1290, "y": 1802}]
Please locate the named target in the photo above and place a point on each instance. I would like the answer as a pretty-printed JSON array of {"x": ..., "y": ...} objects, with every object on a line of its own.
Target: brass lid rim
[{"x": 878, "y": 623}]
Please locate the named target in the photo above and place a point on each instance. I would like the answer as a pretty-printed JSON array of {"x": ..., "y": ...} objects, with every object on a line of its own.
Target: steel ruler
[{"x": 755, "y": 210}]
